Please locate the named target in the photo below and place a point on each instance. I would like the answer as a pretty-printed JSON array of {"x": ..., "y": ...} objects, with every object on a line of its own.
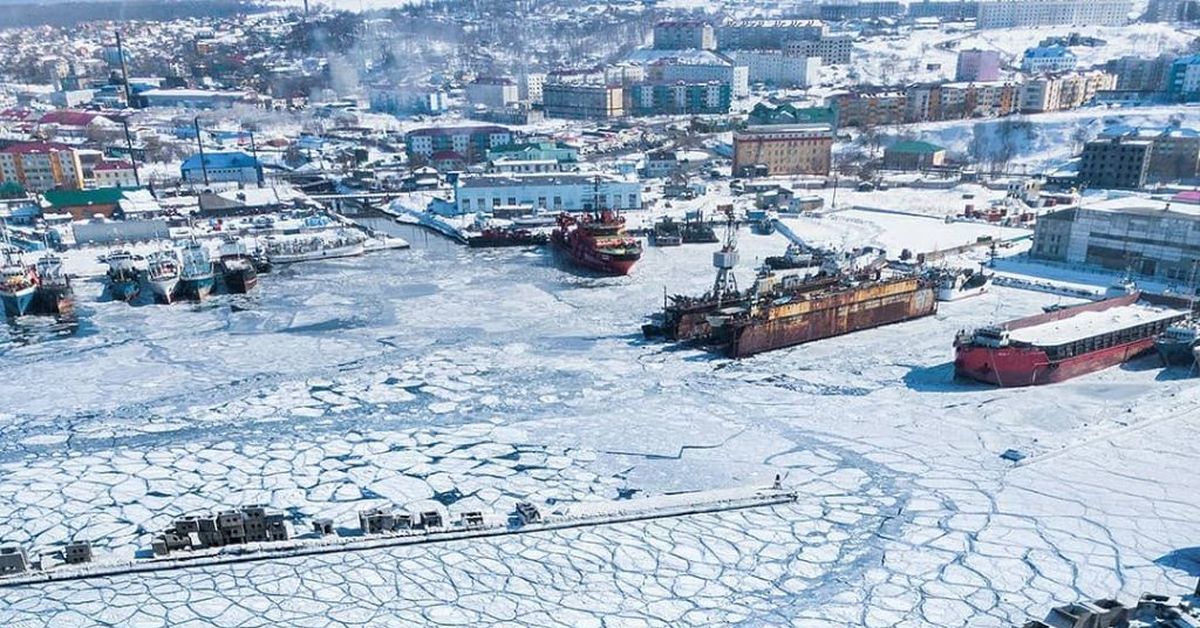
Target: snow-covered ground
[{"x": 476, "y": 378}]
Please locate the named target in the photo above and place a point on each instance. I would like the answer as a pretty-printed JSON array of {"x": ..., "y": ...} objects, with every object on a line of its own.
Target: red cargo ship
[
  {"x": 597, "y": 242},
  {"x": 1062, "y": 343}
]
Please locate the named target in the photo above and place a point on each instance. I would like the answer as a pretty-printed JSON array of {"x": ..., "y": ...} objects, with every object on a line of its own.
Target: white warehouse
[{"x": 550, "y": 191}]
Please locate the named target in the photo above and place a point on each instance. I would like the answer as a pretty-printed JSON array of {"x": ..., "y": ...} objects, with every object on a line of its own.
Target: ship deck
[{"x": 1087, "y": 324}]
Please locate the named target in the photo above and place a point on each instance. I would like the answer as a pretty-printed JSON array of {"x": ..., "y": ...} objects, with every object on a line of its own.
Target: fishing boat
[
  {"x": 1175, "y": 345},
  {"x": 18, "y": 283},
  {"x": 54, "y": 293},
  {"x": 123, "y": 277},
  {"x": 197, "y": 277},
  {"x": 961, "y": 284},
  {"x": 163, "y": 274},
  {"x": 237, "y": 267},
  {"x": 344, "y": 243}
]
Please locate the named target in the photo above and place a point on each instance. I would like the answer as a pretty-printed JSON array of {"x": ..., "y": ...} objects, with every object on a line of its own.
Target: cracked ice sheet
[{"x": 908, "y": 516}]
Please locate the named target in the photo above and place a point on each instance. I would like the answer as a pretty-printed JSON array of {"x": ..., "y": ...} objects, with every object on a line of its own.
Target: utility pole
[
  {"x": 124, "y": 70},
  {"x": 200, "y": 145},
  {"x": 129, "y": 146}
]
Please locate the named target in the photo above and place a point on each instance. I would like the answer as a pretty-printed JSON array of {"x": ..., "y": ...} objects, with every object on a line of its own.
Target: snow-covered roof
[
  {"x": 1087, "y": 324},
  {"x": 693, "y": 56}
]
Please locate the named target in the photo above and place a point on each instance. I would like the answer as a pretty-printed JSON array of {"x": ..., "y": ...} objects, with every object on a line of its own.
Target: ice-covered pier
[{"x": 567, "y": 516}]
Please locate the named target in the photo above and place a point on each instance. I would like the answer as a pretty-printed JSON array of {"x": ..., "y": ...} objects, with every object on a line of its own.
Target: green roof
[
  {"x": 78, "y": 198},
  {"x": 914, "y": 146}
]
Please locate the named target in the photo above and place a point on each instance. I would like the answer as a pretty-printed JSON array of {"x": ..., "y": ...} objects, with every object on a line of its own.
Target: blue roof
[
  {"x": 1188, "y": 60},
  {"x": 1048, "y": 52},
  {"x": 232, "y": 159}
]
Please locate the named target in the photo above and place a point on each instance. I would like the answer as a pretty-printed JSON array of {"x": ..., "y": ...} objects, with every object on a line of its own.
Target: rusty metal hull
[{"x": 830, "y": 314}]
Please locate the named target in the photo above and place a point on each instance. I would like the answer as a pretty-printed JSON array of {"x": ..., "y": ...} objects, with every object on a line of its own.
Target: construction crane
[{"x": 726, "y": 259}]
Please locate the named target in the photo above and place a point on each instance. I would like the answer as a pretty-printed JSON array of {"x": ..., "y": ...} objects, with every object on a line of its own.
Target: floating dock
[{"x": 567, "y": 516}]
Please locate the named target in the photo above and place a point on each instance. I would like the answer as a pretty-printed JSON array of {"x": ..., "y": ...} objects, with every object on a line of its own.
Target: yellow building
[
  {"x": 784, "y": 149},
  {"x": 41, "y": 166}
]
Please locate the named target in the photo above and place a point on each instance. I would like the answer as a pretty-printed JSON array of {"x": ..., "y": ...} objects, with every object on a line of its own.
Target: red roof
[
  {"x": 113, "y": 165},
  {"x": 36, "y": 147},
  {"x": 14, "y": 114},
  {"x": 69, "y": 118},
  {"x": 444, "y": 155}
]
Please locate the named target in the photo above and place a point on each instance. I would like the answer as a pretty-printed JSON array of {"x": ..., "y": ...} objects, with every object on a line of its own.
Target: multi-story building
[
  {"x": 250, "y": 524},
  {"x": 1174, "y": 154},
  {"x": 697, "y": 67},
  {"x": 583, "y": 101},
  {"x": 863, "y": 10},
  {"x": 1151, "y": 237},
  {"x": 1115, "y": 163},
  {"x": 1063, "y": 91},
  {"x": 778, "y": 67},
  {"x": 832, "y": 49},
  {"x": 1173, "y": 11},
  {"x": 923, "y": 102},
  {"x": 944, "y": 9},
  {"x": 41, "y": 166},
  {"x": 1041, "y": 59},
  {"x": 766, "y": 34},
  {"x": 977, "y": 100},
  {"x": 556, "y": 192},
  {"x": 1183, "y": 79},
  {"x": 977, "y": 65},
  {"x": 471, "y": 143},
  {"x": 787, "y": 113},
  {"x": 680, "y": 97},
  {"x": 114, "y": 174},
  {"x": 495, "y": 92},
  {"x": 913, "y": 155},
  {"x": 784, "y": 149},
  {"x": 530, "y": 87},
  {"x": 1040, "y": 94},
  {"x": 684, "y": 34},
  {"x": 1140, "y": 74},
  {"x": 533, "y": 157},
  {"x": 1023, "y": 13}
]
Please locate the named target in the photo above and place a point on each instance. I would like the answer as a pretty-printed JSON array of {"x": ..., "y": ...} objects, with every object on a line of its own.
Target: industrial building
[
  {"x": 1152, "y": 237},
  {"x": 1115, "y": 163},
  {"x": 556, "y": 192},
  {"x": 222, "y": 167}
]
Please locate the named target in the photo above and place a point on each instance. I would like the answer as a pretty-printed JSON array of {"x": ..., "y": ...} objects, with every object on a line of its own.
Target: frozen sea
[{"x": 478, "y": 378}]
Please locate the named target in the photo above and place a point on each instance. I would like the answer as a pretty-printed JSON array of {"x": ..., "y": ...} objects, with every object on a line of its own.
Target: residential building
[
  {"x": 788, "y": 113},
  {"x": 684, "y": 34},
  {"x": 402, "y": 101},
  {"x": 1024, "y": 13},
  {"x": 555, "y": 192},
  {"x": 947, "y": 10},
  {"x": 913, "y": 155},
  {"x": 222, "y": 167},
  {"x": 79, "y": 125},
  {"x": 530, "y": 87},
  {"x": 533, "y": 157},
  {"x": 1041, "y": 59},
  {"x": 977, "y": 100},
  {"x": 470, "y": 143},
  {"x": 494, "y": 92},
  {"x": 41, "y": 166},
  {"x": 114, "y": 174},
  {"x": 1080, "y": 88},
  {"x": 861, "y": 10},
  {"x": 1152, "y": 237},
  {"x": 1140, "y": 74},
  {"x": 779, "y": 67},
  {"x": 766, "y": 34},
  {"x": 975, "y": 65},
  {"x": 784, "y": 149},
  {"x": 583, "y": 101},
  {"x": 693, "y": 66},
  {"x": 680, "y": 97},
  {"x": 1183, "y": 79},
  {"x": 869, "y": 106},
  {"x": 831, "y": 49},
  {"x": 1173, "y": 11},
  {"x": 1040, "y": 94},
  {"x": 1115, "y": 163},
  {"x": 1174, "y": 154}
]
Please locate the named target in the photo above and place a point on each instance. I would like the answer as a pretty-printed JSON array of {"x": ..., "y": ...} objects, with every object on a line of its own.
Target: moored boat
[
  {"x": 667, "y": 232},
  {"x": 124, "y": 282},
  {"x": 54, "y": 292},
  {"x": 163, "y": 274},
  {"x": 344, "y": 243},
  {"x": 18, "y": 284},
  {"x": 1064, "y": 343},
  {"x": 598, "y": 242},
  {"x": 238, "y": 270},
  {"x": 961, "y": 284},
  {"x": 1175, "y": 345},
  {"x": 495, "y": 237},
  {"x": 196, "y": 276}
]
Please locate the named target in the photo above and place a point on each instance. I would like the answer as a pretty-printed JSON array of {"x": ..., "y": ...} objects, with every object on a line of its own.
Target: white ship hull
[
  {"x": 349, "y": 250},
  {"x": 955, "y": 294},
  {"x": 164, "y": 288}
]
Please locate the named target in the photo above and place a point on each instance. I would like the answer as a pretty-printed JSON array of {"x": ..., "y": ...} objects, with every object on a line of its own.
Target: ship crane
[{"x": 726, "y": 259}]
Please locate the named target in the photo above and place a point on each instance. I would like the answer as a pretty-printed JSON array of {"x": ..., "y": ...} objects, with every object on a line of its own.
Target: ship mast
[{"x": 726, "y": 259}]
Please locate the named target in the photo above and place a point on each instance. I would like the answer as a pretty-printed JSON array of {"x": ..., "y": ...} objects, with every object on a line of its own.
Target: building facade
[
  {"x": 41, "y": 166},
  {"x": 1183, "y": 79},
  {"x": 1023, "y": 13},
  {"x": 1040, "y": 59},
  {"x": 913, "y": 155},
  {"x": 767, "y": 34},
  {"x": 779, "y": 67},
  {"x": 702, "y": 69},
  {"x": 114, "y": 174},
  {"x": 1140, "y": 74},
  {"x": 977, "y": 65},
  {"x": 583, "y": 101},
  {"x": 784, "y": 149},
  {"x": 471, "y": 143},
  {"x": 680, "y": 98},
  {"x": 552, "y": 192},
  {"x": 870, "y": 106},
  {"x": 1150, "y": 237},
  {"x": 494, "y": 92},
  {"x": 684, "y": 34},
  {"x": 222, "y": 167},
  {"x": 1116, "y": 163},
  {"x": 831, "y": 49}
]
